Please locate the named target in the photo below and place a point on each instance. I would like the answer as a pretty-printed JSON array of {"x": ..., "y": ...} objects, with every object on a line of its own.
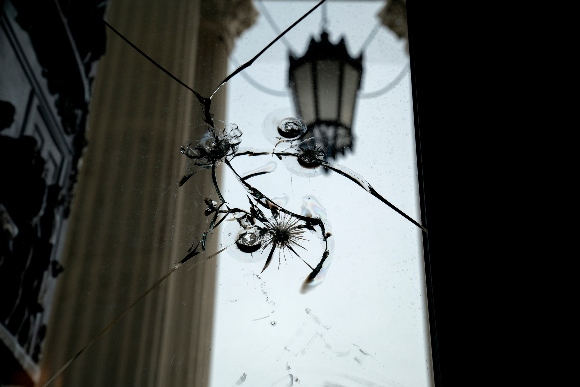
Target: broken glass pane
[
  {"x": 365, "y": 323},
  {"x": 276, "y": 274}
]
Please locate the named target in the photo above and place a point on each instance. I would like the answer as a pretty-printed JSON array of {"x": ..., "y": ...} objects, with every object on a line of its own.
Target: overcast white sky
[{"x": 367, "y": 322}]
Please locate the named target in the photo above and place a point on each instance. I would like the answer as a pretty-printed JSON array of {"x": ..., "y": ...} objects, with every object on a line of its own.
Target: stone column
[
  {"x": 394, "y": 16},
  {"x": 221, "y": 21},
  {"x": 130, "y": 223}
]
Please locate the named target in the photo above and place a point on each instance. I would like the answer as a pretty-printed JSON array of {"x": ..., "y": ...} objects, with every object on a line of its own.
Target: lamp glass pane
[
  {"x": 327, "y": 84},
  {"x": 351, "y": 79},
  {"x": 305, "y": 92}
]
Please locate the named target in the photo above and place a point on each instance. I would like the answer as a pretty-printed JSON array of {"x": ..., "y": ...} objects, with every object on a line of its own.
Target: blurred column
[
  {"x": 394, "y": 16},
  {"x": 130, "y": 222},
  {"x": 221, "y": 21}
]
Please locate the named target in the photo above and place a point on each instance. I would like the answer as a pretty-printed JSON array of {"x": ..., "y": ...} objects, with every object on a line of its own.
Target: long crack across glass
[{"x": 262, "y": 229}]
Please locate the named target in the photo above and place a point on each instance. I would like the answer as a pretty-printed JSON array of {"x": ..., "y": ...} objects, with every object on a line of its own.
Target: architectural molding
[
  {"x": 394, "y": 16},
  {"x": 227, "y": 19},
  {"x": 44, "y": 96}
]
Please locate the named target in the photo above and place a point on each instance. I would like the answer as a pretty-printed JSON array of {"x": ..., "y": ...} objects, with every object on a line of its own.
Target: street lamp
[{"x": 324, "y": 84}]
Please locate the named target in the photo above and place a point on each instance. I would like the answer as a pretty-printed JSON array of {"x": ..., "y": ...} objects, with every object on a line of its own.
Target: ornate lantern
[{"x": 324, "y": 83}]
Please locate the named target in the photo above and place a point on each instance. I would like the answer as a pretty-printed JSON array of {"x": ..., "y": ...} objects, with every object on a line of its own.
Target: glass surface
[
  {"x": 304, "y": 87},
  {"x": 366, "y": 323},
  {"x": 221, "y": 317},
  {"x": 328, "y": 88},
  {"x": 350, "y": 80}
]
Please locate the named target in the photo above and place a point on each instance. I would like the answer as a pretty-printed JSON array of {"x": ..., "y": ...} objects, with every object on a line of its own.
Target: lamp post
[{"x": 324, "y": 84}]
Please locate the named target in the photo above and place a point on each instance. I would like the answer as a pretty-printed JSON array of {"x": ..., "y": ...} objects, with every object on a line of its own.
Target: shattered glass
[
  {"x": 363, "y": 321},
  {"x": 319, "y": 277}
]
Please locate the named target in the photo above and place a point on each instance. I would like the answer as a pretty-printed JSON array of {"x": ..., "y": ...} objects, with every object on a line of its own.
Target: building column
[
  {"x": 394, "y": 16},
  {"x": 221, "y": 22},
  {"x": 130, "y": 223}
]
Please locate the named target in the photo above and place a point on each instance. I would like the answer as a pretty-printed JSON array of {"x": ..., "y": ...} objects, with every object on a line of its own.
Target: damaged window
[
  {"x": 282, "y": 266},
  {"x": 366, "y": 323}
]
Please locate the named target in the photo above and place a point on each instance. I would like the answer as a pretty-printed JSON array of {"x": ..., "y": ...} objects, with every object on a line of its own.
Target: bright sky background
[{"x": 367, "y": 322}]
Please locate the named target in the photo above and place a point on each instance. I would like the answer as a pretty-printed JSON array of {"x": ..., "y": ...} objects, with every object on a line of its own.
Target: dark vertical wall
[{"x": 464, "y": 75}]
